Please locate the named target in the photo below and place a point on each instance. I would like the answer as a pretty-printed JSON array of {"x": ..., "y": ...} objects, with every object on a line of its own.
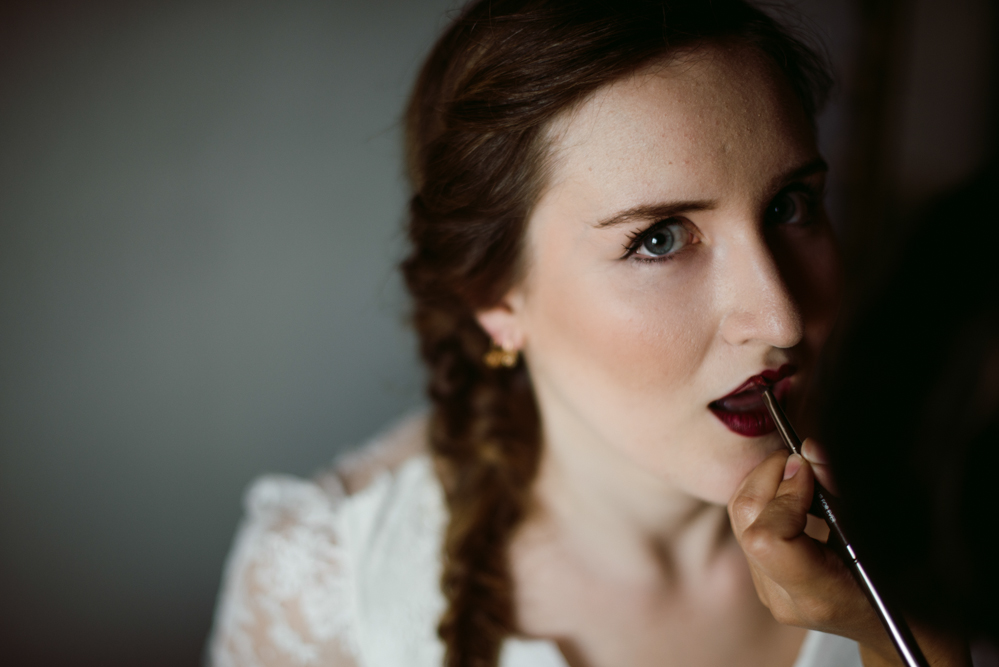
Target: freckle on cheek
[{"x": 629, "y": 352}]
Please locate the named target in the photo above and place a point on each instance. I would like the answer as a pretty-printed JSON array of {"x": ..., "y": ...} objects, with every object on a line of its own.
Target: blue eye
[
  {"x": 661, "y": 240},
  {"x": 658, "y": 242},
  {"x": 790, "y": 207}
]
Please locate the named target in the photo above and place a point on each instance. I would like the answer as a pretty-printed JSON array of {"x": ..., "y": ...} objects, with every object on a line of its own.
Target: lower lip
[{"x": 754, "y": 421}]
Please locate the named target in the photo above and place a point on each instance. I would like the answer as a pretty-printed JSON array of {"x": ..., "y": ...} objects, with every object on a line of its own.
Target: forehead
[{"x": 716, "y": 118}]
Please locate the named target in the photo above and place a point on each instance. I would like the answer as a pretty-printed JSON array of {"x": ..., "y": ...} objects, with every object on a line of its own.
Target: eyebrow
[
  {"x": 664, "y": 210},
  {"x": 816, "y": 166},
  {"x": 656, "y": 211}
]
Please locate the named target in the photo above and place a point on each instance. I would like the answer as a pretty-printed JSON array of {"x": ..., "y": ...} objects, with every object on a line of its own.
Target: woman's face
[{"x": 680, "y": 249}]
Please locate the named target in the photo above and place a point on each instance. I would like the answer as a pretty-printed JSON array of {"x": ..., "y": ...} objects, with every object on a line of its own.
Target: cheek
[
  {"x": 624, "y": 326},
  {"x": 619, "y": 351}
]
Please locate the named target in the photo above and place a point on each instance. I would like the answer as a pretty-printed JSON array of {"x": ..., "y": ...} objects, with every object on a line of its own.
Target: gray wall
[{"x": 200, "y": 208}]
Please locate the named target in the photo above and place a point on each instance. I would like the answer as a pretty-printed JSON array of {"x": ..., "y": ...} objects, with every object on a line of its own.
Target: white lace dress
[{"x": 323, "y": 575}]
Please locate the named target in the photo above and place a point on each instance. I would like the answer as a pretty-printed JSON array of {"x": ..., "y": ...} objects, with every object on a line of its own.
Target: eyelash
[{"x": 635, "y": 240}]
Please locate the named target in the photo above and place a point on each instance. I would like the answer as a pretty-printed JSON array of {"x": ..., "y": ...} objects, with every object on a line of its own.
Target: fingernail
[
  {"x": 814, "y": 452},
  {"x": 792, "y": 466}
]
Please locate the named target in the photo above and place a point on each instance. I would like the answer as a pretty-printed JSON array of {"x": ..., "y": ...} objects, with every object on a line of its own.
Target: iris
[{"x": 659, "y": 242}]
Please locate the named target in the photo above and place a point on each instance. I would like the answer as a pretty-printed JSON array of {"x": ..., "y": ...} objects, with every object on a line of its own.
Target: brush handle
[{"x": 824, "y": 505}]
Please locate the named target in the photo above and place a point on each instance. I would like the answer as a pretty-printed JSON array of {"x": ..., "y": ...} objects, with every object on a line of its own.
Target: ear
[{"x": 504, "y": 321}]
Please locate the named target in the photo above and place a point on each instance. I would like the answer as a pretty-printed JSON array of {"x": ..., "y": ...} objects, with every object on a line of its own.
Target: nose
[{"x": 757, "y": 304}]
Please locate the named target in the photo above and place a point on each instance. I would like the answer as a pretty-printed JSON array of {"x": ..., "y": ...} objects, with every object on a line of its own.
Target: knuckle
[
  {"x": 757, "y": 542},
  {"x": 744, "y": 509}
]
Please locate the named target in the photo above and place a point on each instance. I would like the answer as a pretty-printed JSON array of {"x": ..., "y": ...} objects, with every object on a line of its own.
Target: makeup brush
[{"x": 898, "y": 629}]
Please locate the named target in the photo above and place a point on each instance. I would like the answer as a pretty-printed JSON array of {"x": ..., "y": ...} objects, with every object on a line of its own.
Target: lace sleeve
[{"x": 286, "y": 597}]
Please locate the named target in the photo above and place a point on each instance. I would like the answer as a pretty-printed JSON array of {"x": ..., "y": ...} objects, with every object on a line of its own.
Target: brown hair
[{"x": 476, "y": 151}]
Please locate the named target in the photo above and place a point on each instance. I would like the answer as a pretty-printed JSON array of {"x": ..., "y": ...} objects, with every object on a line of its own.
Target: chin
[{"x": 745, "y": 455}]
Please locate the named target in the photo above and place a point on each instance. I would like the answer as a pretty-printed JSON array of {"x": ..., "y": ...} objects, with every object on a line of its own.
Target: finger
[
  {"x": 757, "y": 489},
  {"x": 776, "y": 541},
  {"x": 785, "y": 516},
  {"x": 816, "y": 455}
]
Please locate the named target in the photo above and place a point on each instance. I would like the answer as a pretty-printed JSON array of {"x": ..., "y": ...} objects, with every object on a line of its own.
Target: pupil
[
  {"x": 660, "y": 242},
  {"x": 783, "y": 209}
]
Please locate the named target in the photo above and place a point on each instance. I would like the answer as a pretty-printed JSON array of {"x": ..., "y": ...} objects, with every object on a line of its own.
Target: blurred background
[{"x": 200, "y": 214}]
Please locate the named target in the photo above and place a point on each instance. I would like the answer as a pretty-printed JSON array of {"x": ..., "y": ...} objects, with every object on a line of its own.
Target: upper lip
[{"x": 766, "y": 378}]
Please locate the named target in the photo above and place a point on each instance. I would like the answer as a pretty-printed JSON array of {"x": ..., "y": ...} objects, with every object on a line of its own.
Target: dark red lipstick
[{"x": 743, "y": 410}]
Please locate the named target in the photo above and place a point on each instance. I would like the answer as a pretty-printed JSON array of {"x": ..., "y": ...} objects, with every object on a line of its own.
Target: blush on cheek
[
  {"x": 625, "y": 341},
  {"x": 619, "y": 353}
]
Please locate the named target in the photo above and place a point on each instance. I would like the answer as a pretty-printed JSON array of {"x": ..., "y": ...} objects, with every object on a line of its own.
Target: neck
[{"x": 618, "y": 516}]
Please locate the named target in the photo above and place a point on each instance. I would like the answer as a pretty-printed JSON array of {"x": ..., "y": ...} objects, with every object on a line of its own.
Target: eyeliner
[{"x": 822, "y": 506}]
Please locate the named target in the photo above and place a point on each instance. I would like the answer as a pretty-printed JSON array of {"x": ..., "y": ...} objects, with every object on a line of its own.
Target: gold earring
[{"x": 500, "y": 356}]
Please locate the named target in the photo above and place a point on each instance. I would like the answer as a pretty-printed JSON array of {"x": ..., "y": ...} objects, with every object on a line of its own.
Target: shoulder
[
  {"x": 312, "y": 521},
  {"x": 395, "y": 446},
  {"x": 312, "y": 557},
  {"x": 389, "y": 499}
]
